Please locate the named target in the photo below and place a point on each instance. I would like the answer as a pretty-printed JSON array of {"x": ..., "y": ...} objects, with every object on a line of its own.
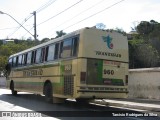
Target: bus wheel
[
  {"x": 12, "y": 89},
  {"x": 48, "y": 93}
]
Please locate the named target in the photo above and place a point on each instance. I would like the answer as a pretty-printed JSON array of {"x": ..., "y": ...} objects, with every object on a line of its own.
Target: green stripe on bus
[
  {"x": 36, "y": 67},
  {"x": 33, "y": 83}
]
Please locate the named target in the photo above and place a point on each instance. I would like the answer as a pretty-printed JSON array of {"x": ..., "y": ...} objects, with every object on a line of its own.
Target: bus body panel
[{"x": 99, "y": 70}]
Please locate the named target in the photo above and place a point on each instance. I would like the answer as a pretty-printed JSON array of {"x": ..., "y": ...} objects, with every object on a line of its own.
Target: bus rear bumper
[{"x": 102, "y": 94}]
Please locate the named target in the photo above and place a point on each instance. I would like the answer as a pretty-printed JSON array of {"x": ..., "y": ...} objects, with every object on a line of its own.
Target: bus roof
[
  {"x": 72, "y": 34},
  {"x": 49, "y": 42}
]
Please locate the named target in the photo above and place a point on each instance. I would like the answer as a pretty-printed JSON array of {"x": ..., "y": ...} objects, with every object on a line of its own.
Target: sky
[{"x": 71, "y": 15}]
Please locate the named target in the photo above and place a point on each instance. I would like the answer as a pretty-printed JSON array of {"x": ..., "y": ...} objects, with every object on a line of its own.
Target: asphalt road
[{"x": 31, "y": 106}]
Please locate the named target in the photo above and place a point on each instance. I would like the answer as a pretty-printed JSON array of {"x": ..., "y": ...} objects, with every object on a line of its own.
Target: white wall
[
  {"x": 144, "y": 83},
  {"x": 2, "y": 81}
]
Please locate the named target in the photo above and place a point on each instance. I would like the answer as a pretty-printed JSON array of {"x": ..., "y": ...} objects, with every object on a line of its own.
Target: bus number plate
[{"x": 109, "y": 72}]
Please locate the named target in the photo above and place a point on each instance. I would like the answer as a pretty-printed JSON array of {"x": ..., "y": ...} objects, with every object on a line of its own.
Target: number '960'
[{"x": 109, "y": 72}]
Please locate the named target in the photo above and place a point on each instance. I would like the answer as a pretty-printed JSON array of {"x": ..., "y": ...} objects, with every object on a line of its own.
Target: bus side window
[
  {"x": 25, "y": 58},
  {"x": 29, "y": 58},
  {"x": 61, "y": 49},
  {"x": 42, "y": 55},
  {"x": 14, "y": 61},
  {"x": 33, "y": 57},
  {"x": 38, "y": 55},
  {"x": 67, "y": 47},
  {"x": 46, "y": 53},
  {"x": 10, "y": 61},
  {"x": 56, "y": 51},
  {"x": 20, "y": 60},
  {"x": 75, "y": 46},
  {"x": 51, "y": 52}
]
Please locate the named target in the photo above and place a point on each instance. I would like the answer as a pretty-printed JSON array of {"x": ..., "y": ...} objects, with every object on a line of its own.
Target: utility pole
[{"x": 35, "y": 29}]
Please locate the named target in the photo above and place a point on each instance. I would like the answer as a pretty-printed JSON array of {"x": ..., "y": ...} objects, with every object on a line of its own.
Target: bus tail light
[
  {"x": 126, "y": 79},
  {"x": 83, "y": 77}
]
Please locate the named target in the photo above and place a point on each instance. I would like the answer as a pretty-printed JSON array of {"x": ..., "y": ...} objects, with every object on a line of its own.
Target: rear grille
[{"x": 68, "y": 85}]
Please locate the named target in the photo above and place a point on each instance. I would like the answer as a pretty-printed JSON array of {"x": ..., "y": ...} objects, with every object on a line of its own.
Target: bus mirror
[{"x": 8, "y": 67}]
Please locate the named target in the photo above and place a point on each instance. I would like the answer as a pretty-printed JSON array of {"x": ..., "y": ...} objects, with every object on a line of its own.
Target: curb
[{"x": 133, "y": 105}]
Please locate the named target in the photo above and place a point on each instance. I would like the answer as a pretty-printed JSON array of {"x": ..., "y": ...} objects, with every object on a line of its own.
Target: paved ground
[{"x": 152, "y": 106}]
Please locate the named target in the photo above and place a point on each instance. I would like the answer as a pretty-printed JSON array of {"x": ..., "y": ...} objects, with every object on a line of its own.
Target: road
[{"x": 30, "y": 105}]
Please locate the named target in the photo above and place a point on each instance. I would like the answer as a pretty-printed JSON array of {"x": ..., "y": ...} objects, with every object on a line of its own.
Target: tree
[
  {"x": 45, "y": 40},
  {"x": 60, "y": 33},
  {"x": 144, "y": 50},
  {"x": 144, "y": 28}
]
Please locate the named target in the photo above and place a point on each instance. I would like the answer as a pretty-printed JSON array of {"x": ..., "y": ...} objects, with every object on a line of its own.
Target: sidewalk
[{"x": 143, "y": 104}]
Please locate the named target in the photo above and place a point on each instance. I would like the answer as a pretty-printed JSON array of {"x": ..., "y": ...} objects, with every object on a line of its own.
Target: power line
[
  {"x": 11, "y": 28},
  {"x": 24, "y": 21},
  {"x": 8, "y": 28},
  {"x": 79, "y": 14},
  {"x": 42, "y": 8},
  {"x": 27, "y": 18},
  {"x": 45, "y": 6},
  {"x": 60, "y": 12},
  {"x": 94, "y": 14}
]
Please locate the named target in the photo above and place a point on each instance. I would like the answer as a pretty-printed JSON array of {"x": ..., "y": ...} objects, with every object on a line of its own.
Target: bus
[{"x": 86, "y": 64}]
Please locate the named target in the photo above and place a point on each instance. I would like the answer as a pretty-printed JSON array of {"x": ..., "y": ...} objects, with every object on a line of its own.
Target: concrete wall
[
  {"x": 144, "y": 83},
  {"x": 2, "y": 81}
]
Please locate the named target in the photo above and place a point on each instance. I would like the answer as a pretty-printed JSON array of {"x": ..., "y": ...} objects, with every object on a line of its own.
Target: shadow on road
[{"x": 68, "y": 109}]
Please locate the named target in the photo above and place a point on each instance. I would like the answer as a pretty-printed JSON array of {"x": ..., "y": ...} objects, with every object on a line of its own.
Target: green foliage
[
  {"x": 13, "y": 47},
  {"x": 60, "y": 33},
  {"x": 144, "y": 50}
]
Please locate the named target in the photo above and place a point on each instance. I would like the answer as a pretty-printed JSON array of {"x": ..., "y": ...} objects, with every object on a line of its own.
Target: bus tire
[
  {"x": 12, "y": 89},
  {"x": 48, "y": 93}
]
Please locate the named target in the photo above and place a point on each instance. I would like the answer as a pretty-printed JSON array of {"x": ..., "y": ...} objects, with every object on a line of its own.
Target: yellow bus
[{"x": 86, "y": 64}]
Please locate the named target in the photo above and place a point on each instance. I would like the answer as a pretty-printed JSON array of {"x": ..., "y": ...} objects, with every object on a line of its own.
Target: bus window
[
  {"x": 46, "y": 53},
  {"x": 29, "y": 58},
  {"x": 67, "y": 47},
  {"x": 25, "y": 58},
  {"x": 10, "y": 61},
  {"x": 61, "y": 49},
  {"x": 42, "y": 55},
  {"x": 33, "y": 57},
  {"x": 51, "y": 52},
  {"x": 14, "y": 61},
  {"x": 56, "y": 51},
  {"x": 20, "y": 60},
  {"x": 75, "y": 46},
  {"x": 38, "y": 55}
]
